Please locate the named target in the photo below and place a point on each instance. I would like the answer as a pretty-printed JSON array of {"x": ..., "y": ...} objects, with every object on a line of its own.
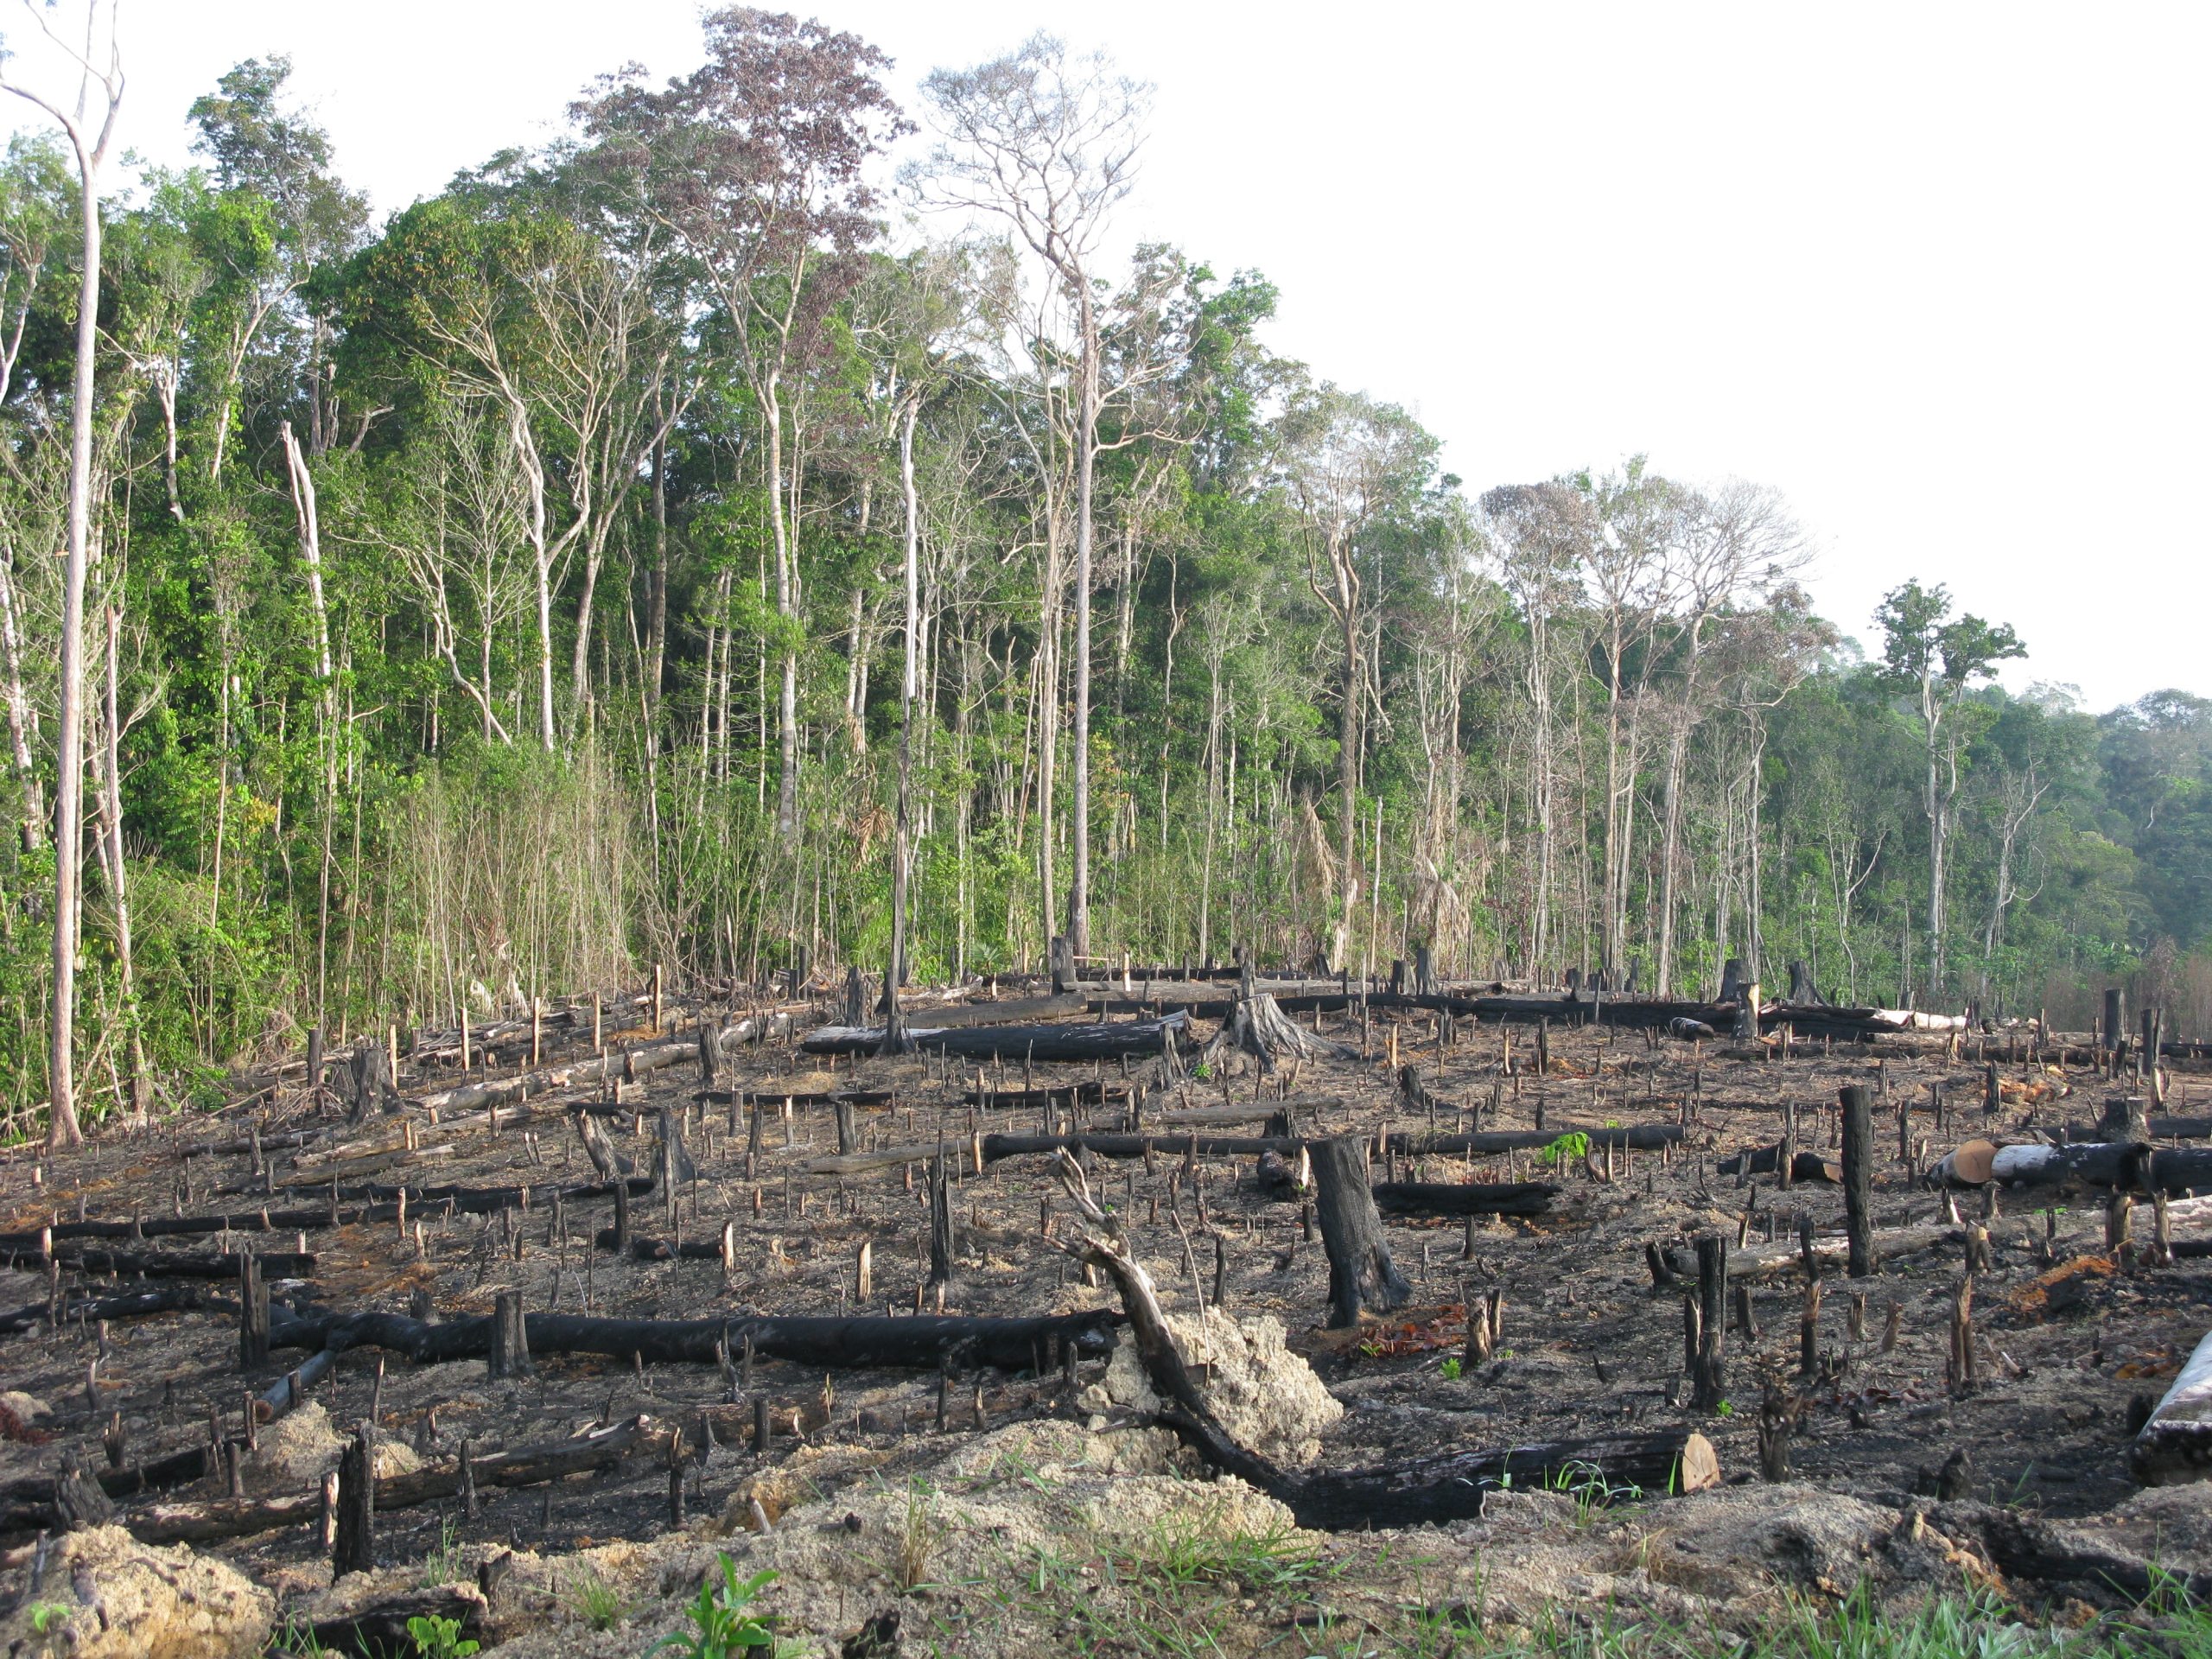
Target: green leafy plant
[
  {"x": 1449, "y": 1370},
  {"x": 721, "y": 1618},
  {"x": 440, "y": 1638},
  {"x": 44, "y": 1614},
  {"x": 1573, "y": 1145},
  {"x": 1726, "y": 1408}
]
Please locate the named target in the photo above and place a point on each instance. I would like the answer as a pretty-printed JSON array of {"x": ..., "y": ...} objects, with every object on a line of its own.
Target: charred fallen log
[
  {"x": 2174, "y": 1444},
  {"x": 1765, "y": 1161},
  {"x": 163, "y": 1264},
  {"x": 1463, "y": 1198},
  {"x": 2121, "y": 1165},
  {"x": 175, "y": 1296},
  {"x": 922, "y": 1342},
  {"x": 204, "y": 1522},
  {"x": 1635, "y": 1137},
  {"x": 1134, "y": 1038}
]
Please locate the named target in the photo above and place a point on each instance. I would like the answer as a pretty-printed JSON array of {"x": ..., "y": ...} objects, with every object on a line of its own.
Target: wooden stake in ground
[{"x": 1361, "y": 1276}]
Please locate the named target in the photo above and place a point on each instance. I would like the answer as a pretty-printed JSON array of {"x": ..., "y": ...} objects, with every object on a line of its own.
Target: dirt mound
[
  {"x": 107, "y": 1596},
  {"x": 1265, "y": 1397}
]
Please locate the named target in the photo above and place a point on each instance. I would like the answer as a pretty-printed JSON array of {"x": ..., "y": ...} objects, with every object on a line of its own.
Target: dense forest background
[{"x": 560, "y": 577}]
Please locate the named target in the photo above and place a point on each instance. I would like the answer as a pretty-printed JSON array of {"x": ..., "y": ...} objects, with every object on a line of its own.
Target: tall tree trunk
[
  {"x": 902, "y": 854},
  {"x": 119, "y": 877},
  {"x": 657, "y": 583},
  {"x": 62, "y": 1129},
  {"x": 787, "y": 609},
  {"x": 31, "y": 829},
  {"x": 1079, "y": 805}
]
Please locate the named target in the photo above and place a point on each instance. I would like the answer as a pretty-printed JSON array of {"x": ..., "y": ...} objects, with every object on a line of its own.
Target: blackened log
[
  {"x": 1663, "y": 1463},
  {"x": 921, "y": 1341},
  {"x": 379, "y": 1630},
  {"x": 1138, "y": 1038},
  {"x": 1361, "y": 1276},
  {"x": 1765, "y": 1161},
  {"x": 172, "y": 1264},
  {"x": 1639, "y": 1137},
  {"x": 2174, "y": 1444},
  {"x": 1463, "y": 1198}
]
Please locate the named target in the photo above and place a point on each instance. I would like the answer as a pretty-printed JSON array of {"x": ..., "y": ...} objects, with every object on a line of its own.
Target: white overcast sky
[{"x": 1937, "y": 272}]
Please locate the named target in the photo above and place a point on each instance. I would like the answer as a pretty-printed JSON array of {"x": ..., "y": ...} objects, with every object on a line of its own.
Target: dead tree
[{"x": 1361, "y": 1276}]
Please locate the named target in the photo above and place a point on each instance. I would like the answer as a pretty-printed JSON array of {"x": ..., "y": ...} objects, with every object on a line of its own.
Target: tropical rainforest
[{"x": 769, "y": 527}]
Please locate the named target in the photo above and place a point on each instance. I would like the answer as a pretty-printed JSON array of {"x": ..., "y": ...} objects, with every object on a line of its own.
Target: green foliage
[
  {"x": 1567, "y": 1149},
  {"x": 592, "y": 1599},
  {"x": 440, "y": 1638},
  {"x": 722, "y": 1620},
  {"x": 1449, "y": 1370}
]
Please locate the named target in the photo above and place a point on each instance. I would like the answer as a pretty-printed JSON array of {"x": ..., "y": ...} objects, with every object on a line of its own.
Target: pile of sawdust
[
  {"x": 106, "y": 1595},
  {"x": 1267, "y": 1397}
]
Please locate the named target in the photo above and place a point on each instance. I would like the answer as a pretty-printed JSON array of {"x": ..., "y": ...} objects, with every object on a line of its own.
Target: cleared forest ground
[{"x": 978, "y": 1504}]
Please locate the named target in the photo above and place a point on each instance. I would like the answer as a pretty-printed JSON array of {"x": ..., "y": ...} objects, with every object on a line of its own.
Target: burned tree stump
[
  {"x": 510, "y": 1354},
  {"x": 253, "y": 1313},
  {"x": 609, "y": 1163},
  {"x": 1258, "y": 1026},
  {"x": 672, "y": 1163},
  {"x": 355, "y": 1550},
  {"x": 1361, "y": 1276},
  {"x": 1858, "y": 1178},
  {"x": 370, "y": 1072},
  {"x": 945, "y": 1240}
]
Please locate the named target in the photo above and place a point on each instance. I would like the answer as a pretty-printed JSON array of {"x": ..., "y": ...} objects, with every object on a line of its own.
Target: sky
[{"x": 1938, "y": 273}]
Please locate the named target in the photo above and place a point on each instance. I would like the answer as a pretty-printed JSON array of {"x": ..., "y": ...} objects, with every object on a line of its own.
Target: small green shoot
[
  {"x": 440, "y": 1638},
  {"x": 1449, "y": 1370}
]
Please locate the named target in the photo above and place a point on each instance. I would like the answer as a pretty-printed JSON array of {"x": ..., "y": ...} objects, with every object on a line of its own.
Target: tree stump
[{"x": 1361, "y": 1276}]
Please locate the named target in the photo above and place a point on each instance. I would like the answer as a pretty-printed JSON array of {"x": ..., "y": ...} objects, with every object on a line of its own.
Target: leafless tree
[
  {"x": 103, "y": 69},
  {"x": 1048, "y": 142}
]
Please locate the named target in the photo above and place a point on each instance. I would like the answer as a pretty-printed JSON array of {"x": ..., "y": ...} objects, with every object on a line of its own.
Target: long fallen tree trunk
[
  {"x": 2120, "y": 1164},
  {"x": 163, "y": 1264},
  {"x": 1463, "y": 1198},
  {"x": 922, "y": 1342},
  {"x": 534, "y": 1465},
  {"x": 2174, "y": 1444},
  {"x": 1134, "y": 1038},
  {"x": 356, "y": 1203},
  {"x": 1638, "y": 1137},
  {"x": 1661, "y": 1463},
  {"x": 175, "y": 1296}
]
